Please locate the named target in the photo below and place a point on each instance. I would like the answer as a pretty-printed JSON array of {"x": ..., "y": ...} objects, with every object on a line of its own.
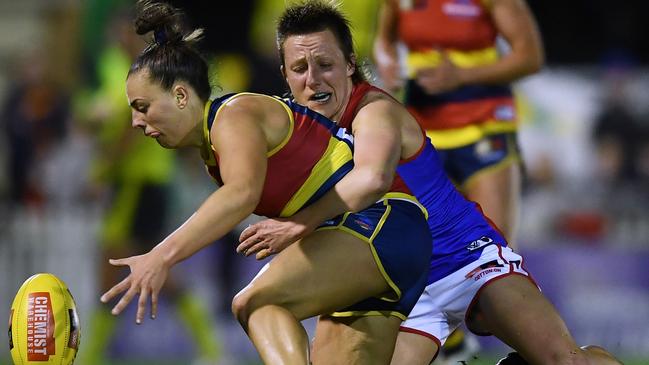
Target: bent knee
[
  {"x": 242, "y": 306},
  {"x": 601, "y": 354},
  {"x": 248, "y": 301}
]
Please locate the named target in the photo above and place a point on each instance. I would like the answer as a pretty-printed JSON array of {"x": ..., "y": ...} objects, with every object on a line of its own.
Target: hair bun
[
  {"x": 167, "y": 23},
  {"x": 160, "y": 36}
]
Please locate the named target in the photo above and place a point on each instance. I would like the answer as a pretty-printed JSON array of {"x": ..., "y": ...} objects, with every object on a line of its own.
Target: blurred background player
[
  {"x": 133, "y": 178},
  {"x": 457, "y": 86}
]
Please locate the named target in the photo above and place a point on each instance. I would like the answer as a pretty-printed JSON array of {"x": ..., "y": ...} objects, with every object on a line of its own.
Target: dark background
[
  {"x": 574, "y": 31},
  {"x": 593, "y": 31}
]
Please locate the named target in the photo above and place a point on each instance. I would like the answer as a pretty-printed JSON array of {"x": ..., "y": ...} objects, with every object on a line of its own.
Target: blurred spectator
[
  {"x": 641, "y": 160},
  {"x": 621, "y": 155},
  {"x": 34, "y": 117},
  {"x": 616, "y": 129}
]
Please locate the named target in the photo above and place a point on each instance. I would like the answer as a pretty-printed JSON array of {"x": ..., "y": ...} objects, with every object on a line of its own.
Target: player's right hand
[{"x": 148, "y": 274}]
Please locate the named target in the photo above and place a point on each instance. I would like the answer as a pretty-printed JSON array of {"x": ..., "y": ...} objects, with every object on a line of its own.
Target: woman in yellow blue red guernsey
[
  {"x": 457, "y": 87},
  {"x": 364, "y": 269},
  {"x": 474, "y": 277}
]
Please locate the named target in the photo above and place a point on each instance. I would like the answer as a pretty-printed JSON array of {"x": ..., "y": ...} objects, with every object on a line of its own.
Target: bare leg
[
  {"x": 355, "y": 340},
  {"x": 326, "y": 271},
  {"x": 600, "y": 355},
  {"x": 516, "y": 312},
  {"x": 414, "y": 349},
  {"x": 498, "y": 192},
  {"x": 288, "y": 339}
]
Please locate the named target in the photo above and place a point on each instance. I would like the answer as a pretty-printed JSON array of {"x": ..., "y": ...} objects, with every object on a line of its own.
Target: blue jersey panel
[{"x": 457, "y": 225}]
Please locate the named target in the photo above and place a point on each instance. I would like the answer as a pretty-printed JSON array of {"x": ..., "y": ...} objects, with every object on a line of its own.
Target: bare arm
[
  {"x": 241, "y": 147},
  {"x": 377, "y": 150},
  {"x": 385, "y": 46},
  {"x": 516, "y": 24},
  {"x": 241, "y": 143}
]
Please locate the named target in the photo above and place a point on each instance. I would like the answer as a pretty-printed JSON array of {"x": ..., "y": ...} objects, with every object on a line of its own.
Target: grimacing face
[
  {"x": 317, "y": 73},
  {"x": 158, "y": 112}
]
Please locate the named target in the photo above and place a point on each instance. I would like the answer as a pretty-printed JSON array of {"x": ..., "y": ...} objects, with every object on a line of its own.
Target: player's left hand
[
  {"x": 148, "y": 274},
  {"x": 269, "y": 237},
  {"x": 435, "y": 80}
]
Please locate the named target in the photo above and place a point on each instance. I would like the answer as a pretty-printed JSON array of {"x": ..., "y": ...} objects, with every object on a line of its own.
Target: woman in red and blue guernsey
[
  {"x": 365, "y": 269},
  {"x": 474, "y": 276}
]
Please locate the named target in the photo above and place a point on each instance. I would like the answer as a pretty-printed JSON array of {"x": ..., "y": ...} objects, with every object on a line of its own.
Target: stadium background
[{"x": 584, "y": 223}]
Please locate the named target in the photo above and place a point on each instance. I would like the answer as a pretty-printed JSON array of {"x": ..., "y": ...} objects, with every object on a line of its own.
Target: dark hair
[
  {"x": 171, "y": 56},
  {"x": 313, "y": 16}
]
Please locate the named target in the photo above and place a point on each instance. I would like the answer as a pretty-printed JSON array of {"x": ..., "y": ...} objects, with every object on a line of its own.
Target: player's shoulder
[
  {"x": 251, "y": 99},
  {"x": 252, "y": 104},
  {"x": 377, "y": 103}
]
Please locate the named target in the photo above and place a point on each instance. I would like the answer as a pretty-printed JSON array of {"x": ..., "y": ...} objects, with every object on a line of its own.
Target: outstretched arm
[{"x": 242, "y": 163}]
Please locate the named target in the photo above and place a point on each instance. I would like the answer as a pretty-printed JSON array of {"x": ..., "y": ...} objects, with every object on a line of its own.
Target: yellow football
[{"x": 43, "y": 323}]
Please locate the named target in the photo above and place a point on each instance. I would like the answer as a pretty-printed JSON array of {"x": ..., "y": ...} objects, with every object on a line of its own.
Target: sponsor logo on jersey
[
  {"x": 490, "y": 150},
  {"x": 484, "y": 269},
  {"x": 482, "y": 273},
  {"x": 342, "y": 134},
  {"x": 461, "y": 9},
  {"x": 364, "y": 225},
  {"x": 40, "y": 327},
  {"x": 504, "y": 112},
  {"x": 483, "y": 241}
]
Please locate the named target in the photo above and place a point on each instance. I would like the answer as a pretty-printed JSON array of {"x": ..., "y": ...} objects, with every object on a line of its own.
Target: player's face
[
  {"x": 317, "y": 73},
  {"x": 156, "y": 111}
]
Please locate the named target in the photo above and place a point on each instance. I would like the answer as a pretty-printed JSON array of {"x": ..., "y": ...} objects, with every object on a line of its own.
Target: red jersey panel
[
  {"x": 456, "y": 24},
  {"x": 314, "y": 156},
  {"x": 465, "y": 32}
]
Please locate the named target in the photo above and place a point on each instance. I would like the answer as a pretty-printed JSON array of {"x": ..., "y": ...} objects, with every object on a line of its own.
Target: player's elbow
[
  {"x": 376, "y": 182},
  {"x": 532, "y": 62},
  {"x": 383, "y": 181},
  {"x": 536, "y": 63},
  {"x": 251, "y": 200},
  {"x": 248, "y": 197}
]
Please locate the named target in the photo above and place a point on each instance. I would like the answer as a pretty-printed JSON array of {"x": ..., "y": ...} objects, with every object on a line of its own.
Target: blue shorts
[
  {"x": 398, "y": 235},
  {"x": 463, "y": 162}
]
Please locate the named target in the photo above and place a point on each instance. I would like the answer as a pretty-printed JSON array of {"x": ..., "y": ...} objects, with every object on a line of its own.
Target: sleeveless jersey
[
  {"x": 313, "y": 157},
  {"x": 464, "y": 30},
  {"x": 358, "y": 92},
  {"x": 459, "y": 228}
]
